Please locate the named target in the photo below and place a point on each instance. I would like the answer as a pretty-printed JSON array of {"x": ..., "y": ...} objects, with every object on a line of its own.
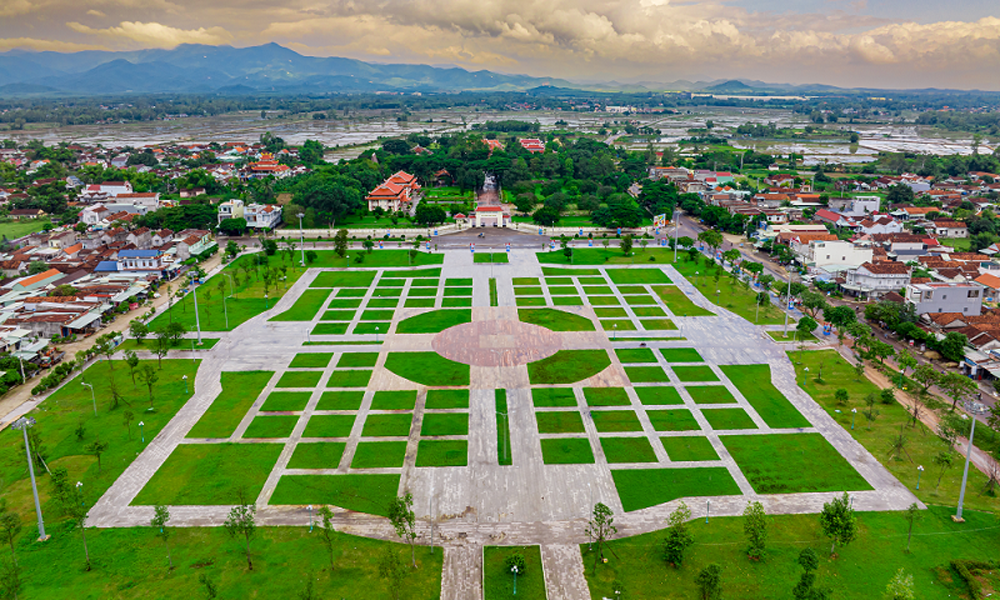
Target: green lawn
[
  {"x": 416, "y": 273},
  {"x": 679, "y": 304},
  {"x": 299, "y": 379},
  {"x": 646, "y": 375},
  {"x": 642, "y": 488},
  {"x": 286, "y": 401},
  {"x": 657, "y": 324},
  {"x": 317, "y": 455},
  {"x": 959, "y": 244},
  {"x": 270, "y": 427},
  {"x": 730, "y": 294},
  {"x": 617, "y": 325},
  {"x": 341, "y": 279},
  {"x": 615, "y": 421},
  {"x": 311, "y": 360},
  {"x": 329, "y": 426},
  {"x": 465, "y": 291},
  {"x": 445, "y": 424},
  {"x": 353, "y": 360},
  {"x": 567, "y": 451},
  {"x": 649, "y": 311},
  {"x": 562, "y": 291},
  {"x": 728, "y": 418},
  {"x": 679, "y": 419},
  {"x": 12, "y": 230},
  {"x": 504, "y": 456},
  {"x": 808, "y": 464},
  {"x": 456, "y": 302},
  {"x": 603, "y": 301},
  {"x": 568, "y": 366},
  {"x": 710, "y": 394},
  {"x": 605, "y": 256},
  {"x": 330, "y": 329},
  {"x": 610, "y": 313},
  {"x": 306, "y": 307},
  {"x": 340, "y": 401},
  {"x": 643, "y": 276},
  {"x": 442, "y": 453},
  {"x": 606, "y": 397},
  {"x": 377, "y": 258},
  {"x": 459, "y": 282},
  {"x": 754, "y": 382},
  {"x": 196, "y": 474},
  {"x": 597, "y": 290},
  {"x": 345, "y": 303},
  {"x": 379, "y": 455},
  {"x": 552, "y": 397},
  {"x": 382, "y": 303},
  {"x": 557, "y": 272},
  {"x": 183, "y": 344},
  {"x": 394, "y": 400},
  {"x": 392, "y": 425},
  {"x": 486, "y": 257},
  {"x": 567, "y": 301},
  {"x": 444, "y": 399},
  {"x": 434, "y": 321},
  {"x": 239, "y": 392},
  {"x": 499, "y": 583},
  {"x": 700, "y": 373},
  {"x": 563, "y": 421},
  {"x": 689, "y": 448},
  {"x": 428, "y": 368},
  {"x": 635, "y": 355},
  {"x": 529, "y": 301},
  {"x": 627, "y": 450},
  {"x": 658, "y": 395},
  {"x": 642, "y": 300},
  {"x": 419, "y": 303},
  {"x": 680, "y": 355},
  {"x": 348, "y": 379},
  {"x": 363, "y": 493},
  {"x": 518, "y": 281},
  {"x": 376, "y": 315}
]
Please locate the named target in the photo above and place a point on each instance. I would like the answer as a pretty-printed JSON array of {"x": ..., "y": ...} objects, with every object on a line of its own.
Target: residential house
[
  {"x": 192, "y": 242},
  {"x": 94, "y": 214},
  {"x": 965, "y": 298},
  {"x": 26, "y": 214},
  {"x": 876, "y": 278},
  {"x": 263, "y": 216},
  {"x": 948, "y": 228},
  {"x": 834, "y": 256},
  {"x": 141, "y": 237},
  {"x": 879, "y": 224},
  {"x": 532, "y": 145},
  {"x": 395, "y": 193},
  {"x": 231, "y": 209}
]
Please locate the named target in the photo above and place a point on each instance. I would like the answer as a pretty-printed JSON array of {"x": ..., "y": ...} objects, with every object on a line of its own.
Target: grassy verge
[
  {"x": 306, "y": 307},
  {"x": 678, "y": 302},
  {"x": 754, "y": 382},
  {"x": 434, "y": 321},
  {"x": 239, "y": 391},
  {"x": 202, "y": 474},
  {"x": 427, "y": 368},
  {"x": 568, "y": 366},
  {"x": 504, "y": 457},
  {"x": 499, "y": 582},
  {"x": 181, "y": 344},
  {"x": 556, "y": 320},
  {"x": 493, "y": 292}
]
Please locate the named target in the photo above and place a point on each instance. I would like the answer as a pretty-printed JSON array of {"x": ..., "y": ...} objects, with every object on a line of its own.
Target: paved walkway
[{"x": 486, "y": 503}]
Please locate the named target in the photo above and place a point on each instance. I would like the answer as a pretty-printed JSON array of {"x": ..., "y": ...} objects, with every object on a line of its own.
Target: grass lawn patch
[
  {"x": 635, "y": 355},
  {"x": 353, "y": 378},
  {"x": 681, "y": 355},
  {"x": 527, "y": 291},
  {"x": 317, "y": 455},
  {"x": 498, "y": 581},
  {"x": 351, "y": 360},
  {"x": 593, "y": 281},
  {"x": 443, "y": 399},
  {"x": 649, "y": 311},
  {"x": 340, "y": 400},
  {"x": 383, "y": 303},
  {"x": 558, "y": 281},
  {"x": 286, "y": 401},
  {"x": 613, "y": 421},
  {"x": 657, "y": 324},
  {"x": 379, "y": 455},
  {"x": 427, "y": 368},
  {"x": 710, "y": 394},
  {"x": 626, "y": 276},
  {"x": 394, "y": 400},
  {"x": 808, "y": 464},
  {"x": 556, "y": 320},
  {"x": 606, "y": 397},
  {"x": 632, "y": 289},
  {"x": 239, "y": 392},
  {"x": 445, "y": 424},
  {"x": 689, "y": 447},
  {"x": 563, "y": 421},
  {"x": 338, "y": 315},
  {"x": 351, "y": 293},
  {"x": 522, "y": 281},
  {"x": 642, "y": 488},
  {"x": 793, "y": 336},
  {"x": 376, "y": 315},
  {"x": 658, "y": 395},
  {"x": 562, "y": 291},
  {"x": 299, "y": 379},
  {"x": 456, "y": 302},
  {"x": 731, "y": 295},
  {"x": 567, "y": 301},
  {"x": 529, "y": 301},
  {"x": 422, "y": 292},
  {"x": 628, "y": 450},
  {"x": 610, "y": 313},
  {"x": 329, "y": 426},
  {"x": 342, "y": 279},
  {"x": 196, "y": 474},
  {"x": 370, "y": 327},
  {"x": 754, "y": 382},
  {"x": 434, "y": 321},
  {"x": 556, "y": 271},
  {"x": 597, "y": 290},
  {"x": 646, "y": 375},
  {"x": 567, "y": 451},
  {"x": 270, "y": 427},
  {"x": 464, "y": 291},
  {"x": 442, "y": 453},
  {"x": 311, "y": 360},
  {"x": 427, "y": 282},
  {"x": 392, "y": 283},
  {"x": 729, "y": 418},
  {"x": 700, "y": 373},
  {"x": 617, "y": 325},
  {"x": 639, "y": 300},
  {"x": 487, "y": 257},
  {"x": 603, "y": 301},
  {"x": 184, "y": 344},
  {"x": 392, "y": 425},
  {"x": 679, "y": 304},
  {"x": 504, "y": 457},
  {"x": 419, "y": 303},
  {"x": 344, "y": 303},
  {"x": 462, "y": 282},
  {"x": 679, "y": 419},
  {"x": 330, "y": 329},
  {"x": 388, "y": 292},
  {"x": 568, "y": 366},
  {"x": 415, "y": 273},
  {"x": 379, "y": 258},
  {"x": 370, "y": 494},
  {"x": 552, "y": 397}
]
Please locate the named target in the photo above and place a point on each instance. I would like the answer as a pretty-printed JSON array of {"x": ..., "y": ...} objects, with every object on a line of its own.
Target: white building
[
  {"x": 262, "y": 216},
  {"x": 231, "y": 209},
  {"x": 877, "y": 278},
  {"x": 836, "y": 256}
]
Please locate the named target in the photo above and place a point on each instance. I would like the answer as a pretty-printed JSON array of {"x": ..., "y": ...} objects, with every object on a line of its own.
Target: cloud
[
  {"x": 156, "y": 34},
  {"x": 96, "y": 13},
  {"x": 45, "y": 45}
]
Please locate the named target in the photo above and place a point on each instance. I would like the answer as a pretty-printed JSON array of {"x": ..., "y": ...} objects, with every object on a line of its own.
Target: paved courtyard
[{"x": 333, "y": 409}]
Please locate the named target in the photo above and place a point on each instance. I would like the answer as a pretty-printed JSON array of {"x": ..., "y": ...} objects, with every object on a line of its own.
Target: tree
[
  {"x": 841, "y": 396},
  {"x": 872, "y": 413},
  {"x": 404, "y": 521},
  {"x": 138, "y": 330},
  {"x": 546, "y": 216},
  {"x": 805, "y": 327},
  {"x": 311, "y": 256},
  {"x": 711, "y": 238},
  {"x": 10, "y": 527},
  {"x": 900, "y": 587},
  {"x": 943, "y": 459},
  {"x": 814, "y": 302},
  {"x": 148, "y": 376},
  {"x": 326, "y": 531},
  {"x": 233, "y": 227},
  {"x": 911, "y": 515},
  {"x": 926, "y": 375},
  {"x": 105, "y": 345},
  {"x": 340, "y": 243},
  {"x": 242, "y": 522},
  {"x": 839, "y": 316},
  {"x": 957, "y": 387},
  {"x": 391, "y": 570},
  {"x": 232, "y": 249},
  {"x": 162, "y": 347},
  {"x": 159, "y": 522},
  {"x": 755, "y": 527},
  {"x": 952, "y": 347},
  {"x": 626, "y": 244},
  {"x": 600, "y": 527},
  {"x": 838, "y": 521},
  {"x": 905, "y": 359},
  {"x": 128, "y": 417},
  {"x": 678, "y": 537},
  {"x": 731, "y": 256},
  {"x": 211, "y": 590},
  {"x": 97, "y": 448},
  {"x": 429, "y": 214},
  {"x": 710, "y": 582},
  {"x": 10, "y": 580},
  {"x": 76, "y": 508},
  {"x": 805, "y": 589}
]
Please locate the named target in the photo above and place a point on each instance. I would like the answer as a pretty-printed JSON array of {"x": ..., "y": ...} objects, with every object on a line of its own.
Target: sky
[{"x": 849, "y": 43}]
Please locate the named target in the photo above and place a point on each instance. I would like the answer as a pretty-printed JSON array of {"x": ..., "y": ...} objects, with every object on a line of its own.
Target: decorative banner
[
  {"x": 380, "y": 244},
  {"x": 508, "y": 248},
  {"x": 472, "y": 248},
  {"x": 435, "y": 232},
  {"x": 552, "y": 245},
  {"x": 590, "y": 242},
  {"x": 539, "y": 231},
  {"x": 619, "y": 231},
  {"x": 428, "y": 246},
  {"x": 581, "y": 231},
  {"x": 660, "y": 221}
]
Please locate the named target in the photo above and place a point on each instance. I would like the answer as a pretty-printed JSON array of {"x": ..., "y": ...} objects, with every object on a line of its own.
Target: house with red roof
[
  {"x": 491, "y": 216},
  {"x": 533, "y": 145},
  {"x": 395, "y": 193}
]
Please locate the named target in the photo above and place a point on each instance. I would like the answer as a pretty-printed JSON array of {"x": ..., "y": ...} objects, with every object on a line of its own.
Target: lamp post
[
  {"x": 92, "y": 396},
  {"x": 302, "y": 240},
  {"x": 265, "y": 300},
  {"x": 696, "y": 278},
  {"x": 25, "y": 423},
  {"x": 973, "y": 408},
  {"x": 376, "y": 333},
  {"x": 230, "y": 278},
  {"x": 197, "y": 318},
  {"x": 614, "y": 332},
  {"x": 788, "y": 298},
  {"x": 185, "y": 378},
  {"x": 142, "y": 434},
  {"x": 854, "y": 414},
  {"x": 310, "y": 507},
  {"x": 708, "y": 509},
  {"x": 920, "y": 469},
  {"x": 513, "y": 570}
]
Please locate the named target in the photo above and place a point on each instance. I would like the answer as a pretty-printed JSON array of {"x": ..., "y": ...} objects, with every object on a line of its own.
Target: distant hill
[{"x": 731, "y": 86}]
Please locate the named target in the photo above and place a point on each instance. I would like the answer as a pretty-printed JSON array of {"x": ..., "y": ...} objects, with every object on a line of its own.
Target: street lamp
[
  {"x": 788, "y": 298},
  {"x": 310, "y": 507},
  {"x": 92, "y": 396},
  {"x": 25, "y": 423},
  {"x": 920, "y": 469},
  {"x": 708, "y": 509},
  {"x": 142, "y": 434},
  {"x": 854, "y": 414},
  {"x": 513, "y": 570},
  {"x": 376, "y": 333},
  {"x": 185, "y": 378},
  {"x": 973, "y": 408},
  {"x": 197, "y": 318},
  {"x": 615, "y": 332},
  {"x": 696, "y": 278},
  {"x": 302, "y": 240},
  {"x": 265, "y": 300}
]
